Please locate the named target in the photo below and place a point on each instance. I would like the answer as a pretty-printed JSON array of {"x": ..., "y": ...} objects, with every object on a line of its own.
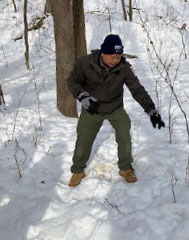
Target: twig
[
  {"x": 109, "y": 18},
  {"x": 111, "y": 205},
  {"x": 38, "y": 105},
  {"x": 165, "y": 69},
  {"x": 17, "y": 111},
  {"x": 170, "y": 125},
  {"x": 17, "y": 148}
]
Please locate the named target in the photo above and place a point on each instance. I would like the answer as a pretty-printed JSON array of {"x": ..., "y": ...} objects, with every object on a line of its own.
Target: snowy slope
[{"x": 40, "y": 205}]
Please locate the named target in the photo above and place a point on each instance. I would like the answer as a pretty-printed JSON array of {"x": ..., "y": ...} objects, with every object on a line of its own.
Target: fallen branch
[
  {"x": 35, "y": 26},
  {"x": 38, "y": 24},
  {"x": 18, "y": 38},
  {"x": 111, "y": 205},
  {"x": 127, "y": 55}
]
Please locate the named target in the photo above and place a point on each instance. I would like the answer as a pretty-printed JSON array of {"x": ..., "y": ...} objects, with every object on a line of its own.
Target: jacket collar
[{"x": 95, "y": 62}]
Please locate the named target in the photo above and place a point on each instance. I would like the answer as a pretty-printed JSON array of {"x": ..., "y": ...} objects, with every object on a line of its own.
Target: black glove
[
  {"x": 93, "y": 108},
  {"x": 156, "y": 119},
  {"x": 88, "y": 102}
]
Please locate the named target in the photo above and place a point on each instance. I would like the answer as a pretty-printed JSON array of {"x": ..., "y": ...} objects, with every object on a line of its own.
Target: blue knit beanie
[{"x": 112, "y": 45}]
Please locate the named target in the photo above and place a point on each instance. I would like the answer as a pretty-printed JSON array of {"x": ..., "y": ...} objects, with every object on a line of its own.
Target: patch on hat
[{"x": 118, "y": 48}]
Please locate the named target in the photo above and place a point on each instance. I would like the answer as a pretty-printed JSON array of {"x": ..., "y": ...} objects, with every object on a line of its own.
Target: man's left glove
[
  {"x": 88, "y": 102},
  {"x": 156, "y": 119}
]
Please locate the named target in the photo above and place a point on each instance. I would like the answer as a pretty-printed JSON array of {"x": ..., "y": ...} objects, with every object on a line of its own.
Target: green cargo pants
[{"x": 87, "y": 129}]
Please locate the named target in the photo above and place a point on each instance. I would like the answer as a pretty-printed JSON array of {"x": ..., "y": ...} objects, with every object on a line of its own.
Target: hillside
[{"x": 40, "y": 205}]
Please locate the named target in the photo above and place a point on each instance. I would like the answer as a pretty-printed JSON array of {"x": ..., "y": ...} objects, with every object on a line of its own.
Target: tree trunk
[
  {"x": 69, "y": 29},
  {"x": 26, "y": 35},
  {"x": 47, "y": 7},
  {"x": 124, "y": 10},
  {"x": 79, "y": 28},
  {"x": 2, "y": 100},
  {"x": 130, "y": 11}
]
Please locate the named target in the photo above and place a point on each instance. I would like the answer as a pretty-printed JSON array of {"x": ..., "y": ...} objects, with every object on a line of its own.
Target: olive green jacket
[{"x": 107, "y": 85}]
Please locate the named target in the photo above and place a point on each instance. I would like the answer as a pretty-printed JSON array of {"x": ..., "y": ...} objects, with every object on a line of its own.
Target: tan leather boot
[
  {"x": 129, "y": 175},
  {"x": 76, "y": 179}
]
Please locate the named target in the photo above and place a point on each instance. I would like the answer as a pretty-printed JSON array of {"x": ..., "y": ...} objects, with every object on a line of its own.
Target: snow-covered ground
[{"x": 40, "y": 205}]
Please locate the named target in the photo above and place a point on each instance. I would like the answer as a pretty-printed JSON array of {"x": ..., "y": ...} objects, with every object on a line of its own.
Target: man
[{"x": 97, "y": 82}]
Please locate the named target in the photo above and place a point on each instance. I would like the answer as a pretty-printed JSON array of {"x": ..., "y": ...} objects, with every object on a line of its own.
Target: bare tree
[
  {"x": 163, "y": 68},
  {"x": 130, "y": 11},
  {"x": 124, "y": 10},
  {"x": 69, "y": 30},
  {"x": 26, "y": 35},
  {"x": 14, "y": 4}
]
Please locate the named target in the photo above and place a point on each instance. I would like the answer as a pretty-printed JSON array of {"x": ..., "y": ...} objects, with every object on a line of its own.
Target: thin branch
[
  {"x": 173, "y": 183},
  {"x": 187, "y": 172},
  {"x": 165, "y": 66},
  {"x": 38, "y": 106},
  {"x": 17, "y": 148},
  {"x": 17, "y": 111},
  {"x": 14, "y": 4},
  {"x": 113, "y": 206}
]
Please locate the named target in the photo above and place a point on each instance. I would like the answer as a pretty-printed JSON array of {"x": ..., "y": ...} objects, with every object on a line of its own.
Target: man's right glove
[
  {"x": 88, "y": 102},
  {"x": 156, "y": 119}
]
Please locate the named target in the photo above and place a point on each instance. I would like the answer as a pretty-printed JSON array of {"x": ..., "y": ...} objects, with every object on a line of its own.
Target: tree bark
[
  {"x": 79, "y": 28},
  {"x": 69, "y": 30},
  {"x": 47, "y": 7}
]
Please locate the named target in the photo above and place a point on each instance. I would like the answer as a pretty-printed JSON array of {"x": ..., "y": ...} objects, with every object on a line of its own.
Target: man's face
[{"x": 111, "y": 60}]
